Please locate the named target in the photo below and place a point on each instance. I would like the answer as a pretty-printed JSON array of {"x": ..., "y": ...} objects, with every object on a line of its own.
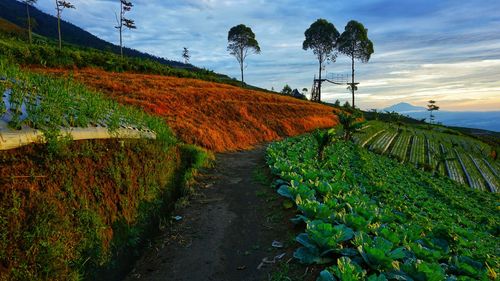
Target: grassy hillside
[
  {"x": 46, "y": 25},
  {"x": 64, "y": 217},
  {"x": 9, "y": 28},
  {"x": 68, "y": 208},
  {"x": 215, "y": 116},
  {"x": 71, "y": 209},
  {"x": 45, "y": 53}
]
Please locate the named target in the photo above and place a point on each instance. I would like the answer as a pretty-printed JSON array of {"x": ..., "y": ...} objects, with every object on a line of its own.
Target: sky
[{"x": 447, "y": 50}]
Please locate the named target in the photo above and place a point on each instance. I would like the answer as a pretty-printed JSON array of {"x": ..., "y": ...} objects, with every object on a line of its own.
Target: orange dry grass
[
  {"x": 216, "y": 116},
  {"x": 8, "y": 27}
]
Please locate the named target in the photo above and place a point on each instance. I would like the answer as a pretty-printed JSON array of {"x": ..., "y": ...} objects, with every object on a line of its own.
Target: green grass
[
  {"x": 54, "y": 103},
  {"x": 369, "y": 214},
  {"x": 74, "y": 214},
  {"x": 93, "y": 210},
  {"x": 45, "y": 53},
  {"x": 260, "y": 175}
]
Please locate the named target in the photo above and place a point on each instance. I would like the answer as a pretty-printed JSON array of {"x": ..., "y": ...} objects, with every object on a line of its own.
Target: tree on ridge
[
  {"x": 321, "y": 37},
  {"x": 185, "y": 55},
  {"x": 60, "y": 6},
  {"x": 431, "y": 107},
  {"x": 241, "y": 43},
  {"x": 354, "y": 43},
  {"x": 122, "y": 21},
  {"x": 28, "y": 4}
]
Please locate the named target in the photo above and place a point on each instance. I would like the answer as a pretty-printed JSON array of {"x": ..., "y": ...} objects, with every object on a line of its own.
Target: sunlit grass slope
[
  {"x": 216, "y": 116},
  {"x": 67, "y": 208}
]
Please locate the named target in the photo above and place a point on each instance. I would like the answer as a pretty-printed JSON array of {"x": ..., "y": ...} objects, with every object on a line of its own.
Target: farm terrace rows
[{"x": 436, "y": 149}]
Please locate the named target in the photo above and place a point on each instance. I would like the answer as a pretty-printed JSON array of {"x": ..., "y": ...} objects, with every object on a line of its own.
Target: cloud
[{"x": 423, "y": 49}]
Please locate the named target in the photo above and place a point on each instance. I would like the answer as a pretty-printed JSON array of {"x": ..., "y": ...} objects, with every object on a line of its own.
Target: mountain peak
[{"x": 404, "y": 107}]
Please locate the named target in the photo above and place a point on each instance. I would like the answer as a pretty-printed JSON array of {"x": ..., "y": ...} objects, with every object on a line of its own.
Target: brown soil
[{"x": 226, "y": 230}]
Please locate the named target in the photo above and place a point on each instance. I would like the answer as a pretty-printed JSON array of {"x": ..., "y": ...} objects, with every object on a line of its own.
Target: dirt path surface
[{"x": 225, "y": 231}]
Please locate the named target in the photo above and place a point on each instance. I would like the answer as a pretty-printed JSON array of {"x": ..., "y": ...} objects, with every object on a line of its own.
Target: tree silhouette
[
  {"x": 241, "y": 43},
  {"x": 321, "y": 37},
  {"x": 376, "y": 114},
  {"x": 28, "y": 4},
  {"x": 432, "y": 107},
  {"x": 355, "y": 44},
  {"x": 60, "y": 6},
  {"x": 185, "y": 55},
  {"x": 286, "y": 90},
  {"x": 122, "y": 21}
]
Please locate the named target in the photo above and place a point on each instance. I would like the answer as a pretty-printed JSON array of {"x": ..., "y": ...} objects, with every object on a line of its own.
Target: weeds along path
[{"x": 226, "y": 229}]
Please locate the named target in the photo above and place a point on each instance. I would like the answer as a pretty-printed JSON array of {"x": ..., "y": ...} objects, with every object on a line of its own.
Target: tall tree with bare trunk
[
  {"x": 28, "y": 4},
  {"x": 122, "y": 21},
  {"x": 431, "y": 107},
  {"x": 355, "y": 44},
  {"x": 185, "y": 55},
  {"x": 241, "y": 43},
  {"x": 321, "y": 37},
  {"x": 60, "y": 6}
]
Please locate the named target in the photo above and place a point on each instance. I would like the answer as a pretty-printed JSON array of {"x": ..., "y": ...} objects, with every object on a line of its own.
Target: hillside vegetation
[
  {"x": 69, "y": 209},
  {"x": 31, "y": 100},
  {"x": 434, "y": 148},
  {"x": 45, "y": 53},
  {"x": 368, "y": 217},
  {"x": 74, "y": 210},
  {"x": 45, "y": 25},
  {"x": 215, "y": 116},
  {"x": 9, "y": 28}
]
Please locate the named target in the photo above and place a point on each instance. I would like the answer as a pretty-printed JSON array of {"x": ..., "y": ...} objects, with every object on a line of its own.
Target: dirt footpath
[{"x": 226, "y": 229}]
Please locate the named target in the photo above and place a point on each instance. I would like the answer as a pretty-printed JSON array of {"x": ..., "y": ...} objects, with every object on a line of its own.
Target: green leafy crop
[{"x": 370, "y": 217}]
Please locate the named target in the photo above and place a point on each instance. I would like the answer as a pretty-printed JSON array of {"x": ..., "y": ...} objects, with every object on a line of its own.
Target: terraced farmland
[
  {"x": 35, "y": 108},
  {"x": 461, "y": 158}
]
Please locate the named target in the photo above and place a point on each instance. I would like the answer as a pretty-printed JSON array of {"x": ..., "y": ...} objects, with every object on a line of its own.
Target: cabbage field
[
  {"x": 367, "y": 216},
  {"x": 461, "y": 158}
]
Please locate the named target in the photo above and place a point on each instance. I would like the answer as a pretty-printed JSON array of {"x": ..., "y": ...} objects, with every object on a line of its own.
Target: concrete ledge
[{"x": 10, "y": 139}]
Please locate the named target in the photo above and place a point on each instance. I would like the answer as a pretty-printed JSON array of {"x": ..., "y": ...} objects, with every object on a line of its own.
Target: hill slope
[
  {"x": 468, "y": 161},
  {"x": 15, "y": 12},
  {"x": 10, "y": 28},
  {"x": 216, "y": 116}
]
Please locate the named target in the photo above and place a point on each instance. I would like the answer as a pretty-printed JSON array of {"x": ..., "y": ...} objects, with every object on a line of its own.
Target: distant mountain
[
  {"x": 487, "y": 120},
  {"x": 404, "y": 107},
  {"x": 46, "y": 25}
]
